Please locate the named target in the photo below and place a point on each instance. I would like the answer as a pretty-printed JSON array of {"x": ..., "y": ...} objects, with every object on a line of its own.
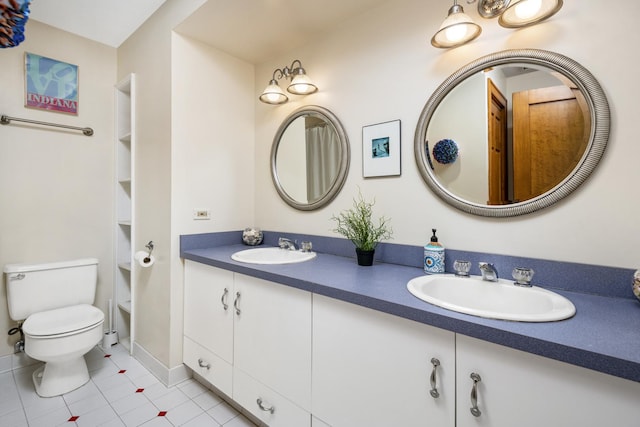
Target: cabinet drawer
[
  {"x": 208, "y": 366},
  {"x": 247, "y": 392}
]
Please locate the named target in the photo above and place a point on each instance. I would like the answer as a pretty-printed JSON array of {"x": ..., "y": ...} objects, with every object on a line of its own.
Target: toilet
[{"x": 60, "y": 324}]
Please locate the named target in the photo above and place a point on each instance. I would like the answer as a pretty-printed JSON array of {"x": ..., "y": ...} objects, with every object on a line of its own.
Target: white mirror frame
[
  {"x": 599, "y": 136},
  {"x": 343, "y": 167}
]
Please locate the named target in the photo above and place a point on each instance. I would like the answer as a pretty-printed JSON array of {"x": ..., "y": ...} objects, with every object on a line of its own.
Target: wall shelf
[{"x": 124, "y": 287}]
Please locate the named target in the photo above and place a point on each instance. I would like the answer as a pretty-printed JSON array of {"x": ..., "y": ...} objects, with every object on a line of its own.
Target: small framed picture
[
  {"x": 381, "y": 149},
  {"x": 50, "y": 84}
]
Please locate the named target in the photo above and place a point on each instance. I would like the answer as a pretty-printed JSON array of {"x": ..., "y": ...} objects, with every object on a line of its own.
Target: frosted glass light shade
[
  {"x": 456, "y": 30},
  {"x": 301, "y": 85},
  {"x": 521, "y": 13},
  {"x": 273, "y": 94}
]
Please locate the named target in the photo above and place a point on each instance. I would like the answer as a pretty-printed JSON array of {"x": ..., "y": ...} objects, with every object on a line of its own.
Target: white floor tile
[
  {"x": 184, "y": 412},
  {"x": 112, "y": 399},
  {"x": 87, "y": 405},
  {"x": 170, "y": 400},
  {"x": 15, "y": 418},
  {"x": 98, "y": 417},
  {"x": 129, "y": 403},
  {"x": 51, "y": 418},
  {"x": 158, "y": 422},
  {"x": 207, "y": 400},
  {"x": 84, "y": 392},
  {"x": 203, "y": 420},
  {"x": 223, "y": 413},
  {"x": 140, "y": 415},
  {"x": 192, "y": 388},
  {"x": 239, "y": 421}
]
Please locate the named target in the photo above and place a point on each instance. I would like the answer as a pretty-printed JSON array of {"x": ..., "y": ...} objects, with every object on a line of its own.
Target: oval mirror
[
  {"x": 309, "y": 158},
  {"x": 512, "y": 132}
]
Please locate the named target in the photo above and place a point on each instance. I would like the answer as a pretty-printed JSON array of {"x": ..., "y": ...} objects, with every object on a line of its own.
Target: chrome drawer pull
[
  {"x": 202, "y": 364},
  {"x": 271, "y": 409},
  {"x": 223, "y": 299},
  {"x": 434, "y": 389},
  {"x": 236, "y": 303},
  {"x": 475, "y": 411}
]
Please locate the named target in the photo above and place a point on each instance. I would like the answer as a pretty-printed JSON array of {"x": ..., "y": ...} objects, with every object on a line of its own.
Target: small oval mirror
[
  {"x": 309, "y": 158},
  {"x": 512, "y": 132}
]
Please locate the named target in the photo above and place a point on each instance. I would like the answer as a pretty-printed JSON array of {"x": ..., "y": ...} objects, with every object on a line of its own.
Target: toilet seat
[{"x": 62, "y": 322}]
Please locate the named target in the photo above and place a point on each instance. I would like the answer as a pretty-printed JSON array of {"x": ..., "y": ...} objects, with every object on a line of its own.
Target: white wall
[
  {"x": 369, "y": 76},
  {"x": 212, "y": 152},
  {"x": 56, "y": 187},
  {"x": 148, "y": 54}
]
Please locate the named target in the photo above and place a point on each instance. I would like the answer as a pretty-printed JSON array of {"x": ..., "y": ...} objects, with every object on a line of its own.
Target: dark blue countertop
[{"x": 604, "y": 335}]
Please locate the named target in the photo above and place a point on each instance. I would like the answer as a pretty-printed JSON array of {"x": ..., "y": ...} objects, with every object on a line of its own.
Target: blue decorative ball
[{"x": 445, "y": 151}]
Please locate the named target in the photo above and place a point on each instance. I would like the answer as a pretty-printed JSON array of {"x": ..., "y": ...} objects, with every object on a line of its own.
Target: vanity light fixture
[
  {"x": 300, "y": 84},
  {"x": 458, "y": 28}
]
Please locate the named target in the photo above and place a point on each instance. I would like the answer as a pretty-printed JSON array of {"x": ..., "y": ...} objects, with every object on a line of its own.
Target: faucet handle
[
  {"x": 522, "y": 276},
  {"x": 462, "y": 268}
]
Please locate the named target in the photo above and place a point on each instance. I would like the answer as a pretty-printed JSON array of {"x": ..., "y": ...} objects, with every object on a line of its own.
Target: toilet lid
[{"x": 63, "y": 320}]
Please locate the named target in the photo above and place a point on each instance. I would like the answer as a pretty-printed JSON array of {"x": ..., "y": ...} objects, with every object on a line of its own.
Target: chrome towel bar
[{"x": 5, "y": 120}]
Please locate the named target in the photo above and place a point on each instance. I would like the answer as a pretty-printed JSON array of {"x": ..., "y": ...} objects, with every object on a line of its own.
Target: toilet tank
[{"x": 32, "y": 288}]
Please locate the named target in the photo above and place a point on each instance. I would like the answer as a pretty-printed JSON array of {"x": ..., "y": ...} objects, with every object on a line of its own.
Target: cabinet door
[
  {"x": 525, "y": 390},
  {"x": 373, "y": 369},
  {"x": 208, "y": 308},
  {"x": 273, "y": 337}
]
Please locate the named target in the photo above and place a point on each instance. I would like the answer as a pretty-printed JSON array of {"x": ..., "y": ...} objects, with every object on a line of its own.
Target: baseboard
[{"x": 168, "y": 377}]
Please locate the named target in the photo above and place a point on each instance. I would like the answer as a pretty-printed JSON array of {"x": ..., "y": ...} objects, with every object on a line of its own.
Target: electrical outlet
[{"x": 201, "y": 214}]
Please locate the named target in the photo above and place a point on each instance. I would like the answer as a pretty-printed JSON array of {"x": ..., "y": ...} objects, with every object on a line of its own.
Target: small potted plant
[{"x": 357, "y": 225}]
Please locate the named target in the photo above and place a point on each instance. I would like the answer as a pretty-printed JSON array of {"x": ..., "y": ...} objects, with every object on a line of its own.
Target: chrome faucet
[
  {"x": 489, "y": 272},
  {"x": 285, "y": 243}
]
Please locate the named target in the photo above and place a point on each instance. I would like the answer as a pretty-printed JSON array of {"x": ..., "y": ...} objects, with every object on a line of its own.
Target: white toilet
[{"x": 60, "y": 324}]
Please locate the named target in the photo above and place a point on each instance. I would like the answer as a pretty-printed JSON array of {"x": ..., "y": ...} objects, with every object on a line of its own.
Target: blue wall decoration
[{"x": 13, "y": 17}]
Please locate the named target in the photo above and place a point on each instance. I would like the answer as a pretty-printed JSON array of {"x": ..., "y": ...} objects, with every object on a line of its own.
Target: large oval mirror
[
  {"x": 309, "y": 158},
  {"x": 512, "y": 132}
]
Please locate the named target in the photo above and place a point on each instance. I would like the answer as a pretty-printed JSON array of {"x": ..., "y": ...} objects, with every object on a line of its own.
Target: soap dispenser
[{"x": 434, "y": 256}]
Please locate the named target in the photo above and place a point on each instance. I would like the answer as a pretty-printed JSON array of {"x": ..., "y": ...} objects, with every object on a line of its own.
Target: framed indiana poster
[
  {"x": 381, "y": 149},
  {"x": 50, "y": 84}
]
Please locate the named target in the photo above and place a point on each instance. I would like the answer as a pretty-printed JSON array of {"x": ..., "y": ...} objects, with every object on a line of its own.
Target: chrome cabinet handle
[
  {"x": 236, "y": 303},
  {"x": 475, "y": 411},
  {"x": 223, "y": 299},
  {"x": 434, "y": 389},
  {"x": 202, "y": 364},
  {"x": 271, "y": 409}
]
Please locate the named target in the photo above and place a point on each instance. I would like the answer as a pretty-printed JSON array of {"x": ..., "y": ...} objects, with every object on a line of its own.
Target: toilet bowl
[
  {"x": 60, "y": 323},
  {"x": 61, "y": 338}
]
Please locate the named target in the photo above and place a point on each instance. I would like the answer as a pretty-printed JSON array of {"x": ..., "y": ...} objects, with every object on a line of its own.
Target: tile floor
[{"x": 121, "y": 392}]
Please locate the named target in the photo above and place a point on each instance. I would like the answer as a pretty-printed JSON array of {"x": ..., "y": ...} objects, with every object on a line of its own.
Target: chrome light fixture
[
  {"x": 520, "y": 13},
  {"x": 458, "y": 28},
  {"x": 300, "y": 84}
]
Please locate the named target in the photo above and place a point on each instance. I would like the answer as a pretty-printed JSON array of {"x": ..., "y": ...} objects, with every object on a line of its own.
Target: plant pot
[{"x": 364, "y": 257}]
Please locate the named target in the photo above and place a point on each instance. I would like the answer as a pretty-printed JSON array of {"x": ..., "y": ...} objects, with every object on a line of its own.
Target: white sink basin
[
  {"x": 496, "y": 300},
  {"x": 272, "y": 255}
]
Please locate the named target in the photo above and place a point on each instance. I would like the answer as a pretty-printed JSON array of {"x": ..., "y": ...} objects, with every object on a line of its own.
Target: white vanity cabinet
[
  {"x": 273, "y": 347},
  {"x": 295, "y": 359},
  {"x": 208, "y": 323},
  {"x": 251, "y": 339},
  {"x": 521, "y": 389},
  {"x": 374, "y": 369}
]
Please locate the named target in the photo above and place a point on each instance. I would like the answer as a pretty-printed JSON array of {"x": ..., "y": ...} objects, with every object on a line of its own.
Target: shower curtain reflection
[{"x": 323, "y": 159}]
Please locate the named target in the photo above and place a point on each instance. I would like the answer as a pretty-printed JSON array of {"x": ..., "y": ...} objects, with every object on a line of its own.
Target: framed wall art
[
  {"x": 50, "y": 84},
  {"x": 381, "y": 149}
]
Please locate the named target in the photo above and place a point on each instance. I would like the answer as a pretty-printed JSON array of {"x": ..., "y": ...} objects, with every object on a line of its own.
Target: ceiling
[
  {"x": 109, "y": 22},
  {"x": 252, "y": 30}
]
